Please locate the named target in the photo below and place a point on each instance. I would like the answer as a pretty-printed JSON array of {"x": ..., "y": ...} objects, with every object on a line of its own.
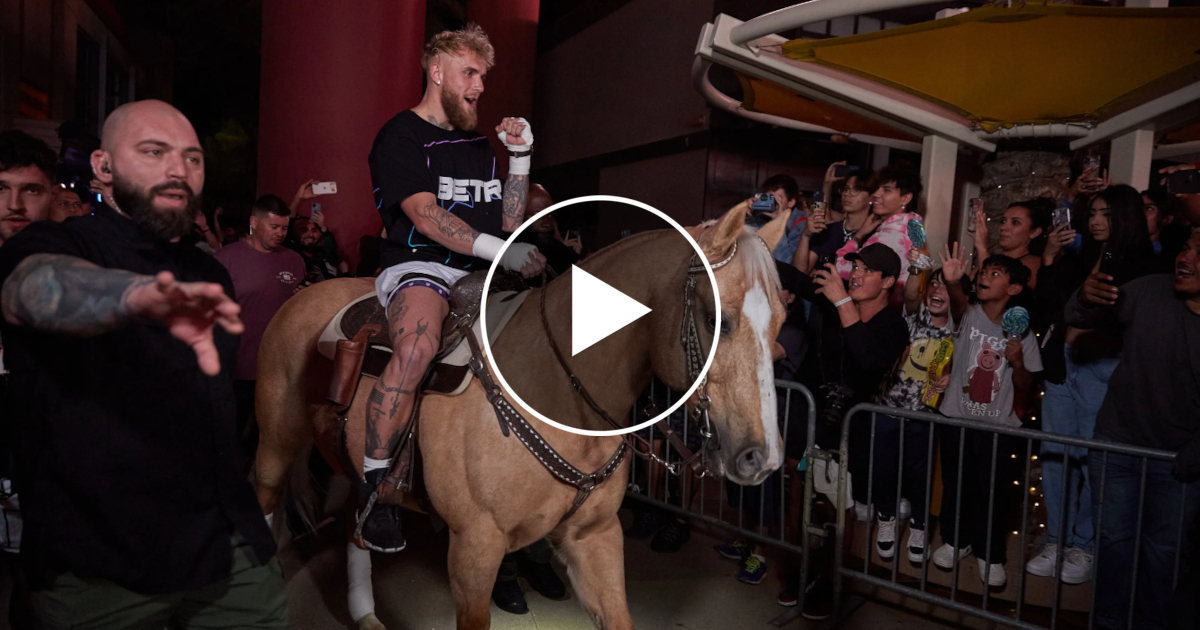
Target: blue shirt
[{"x": 785, "y": 250}]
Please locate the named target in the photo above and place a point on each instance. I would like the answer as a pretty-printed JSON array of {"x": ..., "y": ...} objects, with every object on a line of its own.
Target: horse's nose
[{"x": 751, "y": 462}]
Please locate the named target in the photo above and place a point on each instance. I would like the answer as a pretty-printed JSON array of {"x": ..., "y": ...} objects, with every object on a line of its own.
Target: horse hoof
[{"x": 370, "y": 622}]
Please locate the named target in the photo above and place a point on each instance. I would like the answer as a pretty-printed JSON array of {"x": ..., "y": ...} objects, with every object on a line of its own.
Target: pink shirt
[{"x": 893, "y": 232}]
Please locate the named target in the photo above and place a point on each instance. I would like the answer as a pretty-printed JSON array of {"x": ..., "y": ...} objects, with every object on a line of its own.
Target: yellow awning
[
  {"x": 768, "y": 97},
  {"x": 1032, "y": 63}
]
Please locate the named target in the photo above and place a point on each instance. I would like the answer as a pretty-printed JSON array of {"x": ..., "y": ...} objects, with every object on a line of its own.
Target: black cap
[
  {"x": 878, "y": 257},
  {"x": 790, "y": 277}
]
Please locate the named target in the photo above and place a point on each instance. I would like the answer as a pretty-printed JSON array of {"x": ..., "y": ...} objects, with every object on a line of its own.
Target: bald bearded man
[{"x": 121, "y": 340}]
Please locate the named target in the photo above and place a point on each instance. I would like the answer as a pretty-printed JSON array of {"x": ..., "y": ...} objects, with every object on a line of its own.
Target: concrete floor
[{"x": 694, "y": 589}]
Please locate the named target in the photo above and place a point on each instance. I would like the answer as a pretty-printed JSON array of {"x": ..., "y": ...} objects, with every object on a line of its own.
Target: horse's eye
[{"x": 712, "y": 323}]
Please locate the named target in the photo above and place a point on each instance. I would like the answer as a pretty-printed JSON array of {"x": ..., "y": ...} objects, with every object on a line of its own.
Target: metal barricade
[
  {"x": 1127, "y": 462},
  {"x": 704, "y": 499}
]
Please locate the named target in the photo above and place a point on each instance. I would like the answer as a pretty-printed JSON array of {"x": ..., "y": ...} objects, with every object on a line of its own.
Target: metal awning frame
[{"x": 739, "y": 45}]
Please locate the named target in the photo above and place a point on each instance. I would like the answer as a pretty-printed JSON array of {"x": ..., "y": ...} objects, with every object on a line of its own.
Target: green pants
[{"x": 252, "y": 597}]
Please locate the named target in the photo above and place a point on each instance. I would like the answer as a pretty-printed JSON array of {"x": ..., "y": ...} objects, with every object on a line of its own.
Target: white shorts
[{"x": 416, "y": 273}]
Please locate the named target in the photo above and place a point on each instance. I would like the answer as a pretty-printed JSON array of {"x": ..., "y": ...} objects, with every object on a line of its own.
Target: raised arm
[
  {"x": 517, "y": 138},
  {"x": 65, "y": 295},
  {"x": 912, "y": 287},
  {"x": 516, "y": 191},
  {"x": 954, "y": 267}
]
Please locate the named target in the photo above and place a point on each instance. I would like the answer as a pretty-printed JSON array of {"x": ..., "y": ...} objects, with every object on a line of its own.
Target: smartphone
[
  {"x": 1109, "y": 264},
  {"x": 818, "y": 204},
  {"x": 974, "y": 207},
  {"x": 1092, "y": 162},
  {"x": 572, "y": 234},
  {"x": 1062, "y": 215},
  {"x": 1184, "y": 182},
  {"x": 324, "y": 188},
  {"x": 844, "y": 170},
  {"x": 316, "y": 207},
  {"x": 825, "y": 259}
]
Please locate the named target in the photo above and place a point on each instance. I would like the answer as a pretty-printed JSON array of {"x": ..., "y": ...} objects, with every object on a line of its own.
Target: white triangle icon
[{"x": 598, "y": 310}]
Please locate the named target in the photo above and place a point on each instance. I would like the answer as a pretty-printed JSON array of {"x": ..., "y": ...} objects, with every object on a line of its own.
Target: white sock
[{"x": 370, "y": 463}]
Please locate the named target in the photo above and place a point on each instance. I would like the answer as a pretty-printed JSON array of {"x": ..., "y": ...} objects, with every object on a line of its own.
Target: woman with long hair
[
  {"x": 1022, "y": 233},
  {"x": 1078, "y": 364}
]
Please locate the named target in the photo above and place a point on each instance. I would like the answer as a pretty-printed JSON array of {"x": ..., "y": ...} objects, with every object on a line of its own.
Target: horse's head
[{"x": 741, "y": 381}]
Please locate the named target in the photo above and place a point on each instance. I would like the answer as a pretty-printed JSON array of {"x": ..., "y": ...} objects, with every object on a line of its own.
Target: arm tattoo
[
  {"x": 68, "y": 295},
  {"x": 453, "y": 230},
  {"x": 516, "y": 189}
]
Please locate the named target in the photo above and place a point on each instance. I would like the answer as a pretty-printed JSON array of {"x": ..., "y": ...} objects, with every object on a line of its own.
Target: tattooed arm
[
  {"x": 438, "y": 224},
  {"x": 66, "y": 295},
  {"x": 516, "y": 190}
]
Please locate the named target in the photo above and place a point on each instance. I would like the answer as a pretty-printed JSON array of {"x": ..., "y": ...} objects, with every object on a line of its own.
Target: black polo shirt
[{"x": 128, "y": 464}]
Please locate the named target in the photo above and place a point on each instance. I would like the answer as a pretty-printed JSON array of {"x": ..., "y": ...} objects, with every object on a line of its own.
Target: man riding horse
[{"x": 435, "y": 186}]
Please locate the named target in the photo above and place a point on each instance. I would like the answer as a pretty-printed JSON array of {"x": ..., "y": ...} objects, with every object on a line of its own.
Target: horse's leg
[
  {"x": 285, "y": 429},
  {"x": 475, "y": 557},
  {"x": 595, "y": 558},
  {"x": 360, "y": 600}
]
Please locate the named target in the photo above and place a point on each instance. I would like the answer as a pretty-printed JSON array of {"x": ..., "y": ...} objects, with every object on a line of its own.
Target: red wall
[
  {"x": 511, "y": 26},
  {"x": 331, "y": 76}
]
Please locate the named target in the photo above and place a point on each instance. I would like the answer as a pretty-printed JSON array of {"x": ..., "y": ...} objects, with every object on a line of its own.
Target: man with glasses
[
  {"x": 68, "y": 203},
  {"x": 821, "y": 240}
]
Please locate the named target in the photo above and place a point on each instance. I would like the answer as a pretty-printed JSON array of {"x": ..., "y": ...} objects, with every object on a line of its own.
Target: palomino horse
[{"x": 492, "y": 493}]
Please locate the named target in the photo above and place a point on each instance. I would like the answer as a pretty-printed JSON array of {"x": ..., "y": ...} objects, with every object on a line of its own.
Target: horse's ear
[
  {"x": 716, "y": 244},
  {"x": 772, "y": 232}
]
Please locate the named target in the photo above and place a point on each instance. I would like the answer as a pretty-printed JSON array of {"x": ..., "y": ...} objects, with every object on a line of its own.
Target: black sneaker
[
  {"x": 646, "y": 523},
  {"x": 542, "y": 578},
  {"x": 509, "y": 597},
  {"x": 381, "y": 527},
  {"x": 671, "y": 537}
]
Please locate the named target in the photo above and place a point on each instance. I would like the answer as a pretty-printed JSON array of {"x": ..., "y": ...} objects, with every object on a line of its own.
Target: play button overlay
[
  {"x": 598, "y": 310},
  {"x": 616, "y": 317}
]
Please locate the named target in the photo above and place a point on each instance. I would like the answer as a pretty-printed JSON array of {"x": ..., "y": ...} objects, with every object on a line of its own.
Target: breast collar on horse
[{"x": 585, "y": 483}]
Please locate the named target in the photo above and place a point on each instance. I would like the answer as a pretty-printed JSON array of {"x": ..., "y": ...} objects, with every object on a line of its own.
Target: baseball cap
[{"x": 878, "y": 257}]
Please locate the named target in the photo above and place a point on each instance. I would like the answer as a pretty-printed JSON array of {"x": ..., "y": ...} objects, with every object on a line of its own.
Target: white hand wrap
[
  {"x": 516, "y": 256},
  {"x": 519, "y": 165}
]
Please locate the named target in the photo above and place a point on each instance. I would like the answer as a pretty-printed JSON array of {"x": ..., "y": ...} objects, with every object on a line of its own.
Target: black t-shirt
[
  {"x": 412, "y": 156},
  {"x": 829, "y": 241},
  {"x": 128, "y": 464}
]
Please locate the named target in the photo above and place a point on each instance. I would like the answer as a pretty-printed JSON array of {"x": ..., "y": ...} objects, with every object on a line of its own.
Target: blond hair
[{"x": 472, "y": 38}]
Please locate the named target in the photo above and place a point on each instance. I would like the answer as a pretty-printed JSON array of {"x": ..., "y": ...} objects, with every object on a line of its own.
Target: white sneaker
[
  {"x": 905, "y": 510},
  {"x": 947, "y": 556},
  {"x": 885, "y": 538},
  {"x": 995, "y": 574},
  {"x": 863, "y": 512},
  {"x": 1043, "y": 564},
  {"x": 1077, "y": 566},
  {"x": 917, "y": 547}
]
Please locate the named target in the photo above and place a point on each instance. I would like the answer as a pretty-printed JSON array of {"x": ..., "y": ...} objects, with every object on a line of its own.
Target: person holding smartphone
[
  {"x": 1079, "y": 363},
  {"x": 823, "y": 236}
]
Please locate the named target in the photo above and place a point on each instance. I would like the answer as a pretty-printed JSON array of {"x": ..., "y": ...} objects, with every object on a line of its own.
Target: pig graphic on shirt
[{"x": 983, "y": 381}]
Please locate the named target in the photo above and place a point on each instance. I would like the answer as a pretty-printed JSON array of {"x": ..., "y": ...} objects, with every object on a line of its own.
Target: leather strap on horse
[{"x": 510, "y": 418}]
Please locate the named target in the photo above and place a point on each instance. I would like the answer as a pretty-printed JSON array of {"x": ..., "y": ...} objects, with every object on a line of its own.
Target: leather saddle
[{"x": 356, "y": 339}]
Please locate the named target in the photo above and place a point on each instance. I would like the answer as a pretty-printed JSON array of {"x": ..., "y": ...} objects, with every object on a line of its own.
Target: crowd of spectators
[{"x": 1065, "y": 315}]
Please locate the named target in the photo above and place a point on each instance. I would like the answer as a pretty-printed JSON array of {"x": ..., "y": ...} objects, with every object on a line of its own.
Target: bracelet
[{"x": 842, "y": 301}]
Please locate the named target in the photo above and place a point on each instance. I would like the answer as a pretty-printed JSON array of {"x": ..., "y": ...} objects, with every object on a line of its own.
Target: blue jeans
[
  {"x": 1163, "y": 509},
  {"x": 1070, "y": 409}
]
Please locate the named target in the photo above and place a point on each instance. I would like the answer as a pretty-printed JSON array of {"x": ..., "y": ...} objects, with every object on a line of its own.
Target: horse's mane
[{"x": 758, "y": 261}]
